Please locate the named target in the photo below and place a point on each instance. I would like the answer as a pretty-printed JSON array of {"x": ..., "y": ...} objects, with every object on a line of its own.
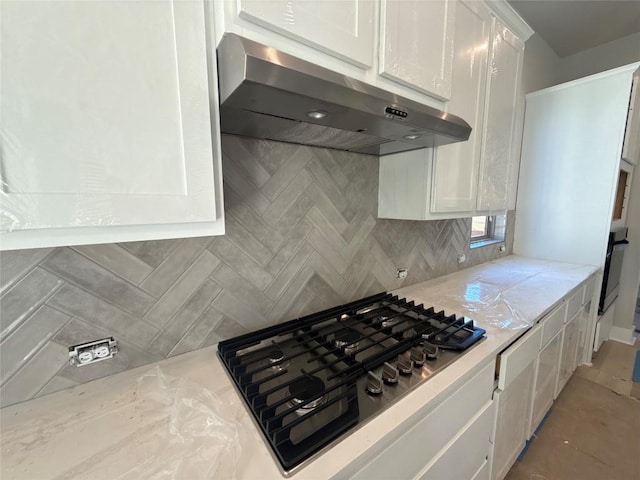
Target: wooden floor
[{"x": 593, "y": 429}]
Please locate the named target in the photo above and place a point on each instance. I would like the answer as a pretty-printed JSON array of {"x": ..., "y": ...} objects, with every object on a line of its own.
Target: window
[{"x": 486, "y": 230}]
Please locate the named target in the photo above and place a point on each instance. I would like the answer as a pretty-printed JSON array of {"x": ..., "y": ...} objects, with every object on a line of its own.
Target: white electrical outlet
[
  {"x": 462, "y": 258},
  {"x": 502, "y": 248},
  {"x": 402, "y": 273},
  {"x": 91, "y": 352}
]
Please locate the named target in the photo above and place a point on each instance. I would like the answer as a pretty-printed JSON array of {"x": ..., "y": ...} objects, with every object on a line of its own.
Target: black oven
[{"x": 612, "y": 268}]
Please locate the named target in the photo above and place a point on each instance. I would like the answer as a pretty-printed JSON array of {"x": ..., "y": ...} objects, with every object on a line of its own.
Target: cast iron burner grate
[{"x": 302, "y": 379}]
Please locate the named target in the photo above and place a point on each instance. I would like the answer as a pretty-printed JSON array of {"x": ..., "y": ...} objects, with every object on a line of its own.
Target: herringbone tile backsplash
[{"x": 302, "y": 235}]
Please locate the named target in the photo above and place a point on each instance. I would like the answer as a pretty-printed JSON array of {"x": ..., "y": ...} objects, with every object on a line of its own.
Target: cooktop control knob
[
  {"x": 390, "y": 373},
  {"x": 405, "y": 366},
  {"x": 374, "y": 384},
  {"x": 430, "y": 350},
  {"x": 418, "y": 356}
]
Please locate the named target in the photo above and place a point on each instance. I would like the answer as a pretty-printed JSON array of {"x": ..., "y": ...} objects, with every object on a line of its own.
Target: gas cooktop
[{"x": 310, "y": 380}]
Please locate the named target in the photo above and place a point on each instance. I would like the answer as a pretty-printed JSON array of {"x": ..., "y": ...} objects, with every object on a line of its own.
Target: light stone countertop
[{"x": 107, "y": 428}]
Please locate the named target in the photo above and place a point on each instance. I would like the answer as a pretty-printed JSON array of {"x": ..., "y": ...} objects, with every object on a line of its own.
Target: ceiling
[{"x": 570, "y": 26}]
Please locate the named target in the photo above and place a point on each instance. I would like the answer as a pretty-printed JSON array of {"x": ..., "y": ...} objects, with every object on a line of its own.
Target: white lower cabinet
[
  {"x": 533, "y": 371},
  {"x": 431, "y": 447},
  {"x": 547, "y": 374},
  {"x": 483, "y": 472},
  {"x": 569, "y": 350},
  {"x": 468, "y": 451},
  {"x": 513, "y": 400}
]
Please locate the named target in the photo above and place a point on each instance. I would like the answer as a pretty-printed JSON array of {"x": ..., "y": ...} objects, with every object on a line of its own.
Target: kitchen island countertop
[{"x": 96, "y": 430}]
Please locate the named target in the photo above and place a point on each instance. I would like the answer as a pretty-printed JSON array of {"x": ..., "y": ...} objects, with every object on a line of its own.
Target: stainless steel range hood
[{"x": 266, "y": 93}]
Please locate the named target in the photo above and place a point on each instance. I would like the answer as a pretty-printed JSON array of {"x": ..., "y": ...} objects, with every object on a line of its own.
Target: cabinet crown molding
[{"x": 511, "y": 18}]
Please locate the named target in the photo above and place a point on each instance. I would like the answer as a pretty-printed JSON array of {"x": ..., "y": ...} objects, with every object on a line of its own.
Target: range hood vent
[{"x": 269, "y": 94}]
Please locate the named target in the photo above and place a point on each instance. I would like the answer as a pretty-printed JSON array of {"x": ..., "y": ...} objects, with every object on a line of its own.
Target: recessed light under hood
[{"x": 266, "y": 93}]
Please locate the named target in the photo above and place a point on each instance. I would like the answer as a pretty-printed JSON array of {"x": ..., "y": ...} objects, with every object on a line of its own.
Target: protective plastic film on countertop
[
  {"x": 505, "y": 295},
  {"x": 195, "y": 440}
]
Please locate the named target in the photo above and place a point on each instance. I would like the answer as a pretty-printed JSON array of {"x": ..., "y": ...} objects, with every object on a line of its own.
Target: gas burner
[
  {"x": 347, "y": 340},
  {"x": 306, "y": 388},
  {"x": 275, "y": 357},
  {"x": 387, "y": 321}
]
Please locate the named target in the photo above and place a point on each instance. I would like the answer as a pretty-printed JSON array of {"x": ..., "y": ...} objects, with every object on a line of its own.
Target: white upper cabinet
[
  {"x": 500, "y": 145},
  {"x": 106, "y": 123},
  {"x": 455, "y": 166},
  {"x": 477, "y": 176},
  {"x": 417, "y": 44},
  {"x": 344, "y": 28}
]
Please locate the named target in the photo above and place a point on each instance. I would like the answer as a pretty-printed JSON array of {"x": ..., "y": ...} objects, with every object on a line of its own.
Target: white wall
[
  {"x": 541, "y": 65},
  {"x": 598, "y": 59}
]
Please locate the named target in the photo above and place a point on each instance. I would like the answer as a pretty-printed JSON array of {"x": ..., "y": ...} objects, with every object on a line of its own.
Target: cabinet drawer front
[
  {"x": 518, "y": 356},
  {"x": 473, "y": 441},
  {"x": 552, "y": 323},
  {"x": 574, "y": 303},
  {"x": 414, "y": 449}
]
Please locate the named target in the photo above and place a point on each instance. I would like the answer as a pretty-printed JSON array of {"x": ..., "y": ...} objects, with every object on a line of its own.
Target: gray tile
[
  {"x": 327, "y": 184},
  {"x": 237, "y": 208},
  {"x": 235, "y": 178},
  {"x": 234, "y": 150},
  {"x": 298, "y": 159},
  {"x": 232, "y": 282},
  {"x": 239, "y": 261},
  {"x": 14, "y": 264},
  {"x": 327, "y": 272},
  {"x": 78, "y": 303},
  {"x": 244, "y": 240},
  {"x": 77, "y": 331},
  {"x": 290, "y": 220},
  {"x": 174, "y": 265},
  {"x": 325, "y": 227},
  {"x": 360, "y": 238},
  {"x": 294, "y": 240},
  {"x": 238, "y": 311},
  {"x": 117, "y": 260},
  {"x": 55, "y": 385},
  {"x": 180, "y": 291},
  {"x": 227, "y": 328},
  {"x": 332, "y": 165},
  {"x": 327, "y": 251},
  {"x": 81, "y": 271},
  {"x": 180, "y": 324},
  {"x": 289, "y": 272},
  {"x": 25, "y": 297},
  {"x": 324, "y": 204},
  {"x": 27, "y": 339},
  {"x": 289, "y": 195},
  {"x": 288, "y": 297},
  {"x": 152, "y": 252},
  {"x": 34, "y": 375},
  {"x": 201, "y": 329}
]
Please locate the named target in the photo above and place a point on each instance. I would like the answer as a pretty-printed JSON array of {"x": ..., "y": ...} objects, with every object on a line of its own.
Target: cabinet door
[
  {"x": 105, "y": 114},
  {"x": 545, "y": 384},
  {"x": 455, "y": 168},
  {"x": 631, "y": 148},
  {"x": 499, "y": 142},
  {"x": 512, "y": 421},
  {"x": 569, "y": 351},
  {"x": 416, "y": 44},
  {"x": 343, "y": 29}
]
